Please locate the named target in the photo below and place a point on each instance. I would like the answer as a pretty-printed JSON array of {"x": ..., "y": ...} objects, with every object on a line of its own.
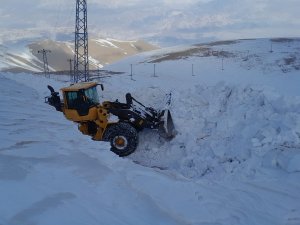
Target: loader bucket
[{"x": 166, "y": 128}]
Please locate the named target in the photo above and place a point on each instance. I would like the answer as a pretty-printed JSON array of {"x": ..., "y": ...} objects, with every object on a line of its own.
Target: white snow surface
[
  {"x": 106, "y": 43},
  {"x": 235, "y": 159}
]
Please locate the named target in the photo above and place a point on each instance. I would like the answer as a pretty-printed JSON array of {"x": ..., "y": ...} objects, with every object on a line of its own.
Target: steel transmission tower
[
  {"x": 81, "y": 59},
  {"x": 45, "y": 60}
]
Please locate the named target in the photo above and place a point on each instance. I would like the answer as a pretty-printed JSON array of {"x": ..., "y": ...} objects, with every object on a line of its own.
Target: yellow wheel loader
[{"x": 115, "y": 122}]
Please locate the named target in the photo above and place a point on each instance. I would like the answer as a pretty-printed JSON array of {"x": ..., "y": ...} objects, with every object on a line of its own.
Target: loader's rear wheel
[{"x": 123, "y": 138}]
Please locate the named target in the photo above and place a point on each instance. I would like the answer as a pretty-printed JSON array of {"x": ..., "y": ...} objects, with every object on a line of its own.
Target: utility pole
[
  {"x": 81, "y": 59},
  {"x": 71, "y": 69},
  {"x": 98, "y": 71},
  {"x": 271, "y": 50},
  {"x": 222, "y": 63},
  {"x": 131, "y": 73},
  {"x": 193, "y": 70},
  {"x": 45, "y": 60},
  {"x": 154, "y": 70}
]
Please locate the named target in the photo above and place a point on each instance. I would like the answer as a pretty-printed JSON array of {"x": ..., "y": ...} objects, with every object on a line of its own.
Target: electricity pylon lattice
[
  {"x": 45, "y": 60},
  {"x": 81, "y": 59}
]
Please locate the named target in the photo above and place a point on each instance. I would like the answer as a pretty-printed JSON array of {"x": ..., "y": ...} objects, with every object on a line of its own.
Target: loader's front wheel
[{"x": 123, "y": 138}]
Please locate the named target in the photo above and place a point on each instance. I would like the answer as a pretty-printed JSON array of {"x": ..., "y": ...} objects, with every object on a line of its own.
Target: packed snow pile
[
  {"x": 235, "y": 158},
  {"x": 223, "y": 129}
]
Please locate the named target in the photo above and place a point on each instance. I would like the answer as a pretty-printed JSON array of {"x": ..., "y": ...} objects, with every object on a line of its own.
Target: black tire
[{"x": 125, "y": 135}]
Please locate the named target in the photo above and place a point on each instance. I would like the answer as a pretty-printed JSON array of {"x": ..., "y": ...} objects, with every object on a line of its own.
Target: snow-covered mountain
[
  {"x": 22, "y": 55},
  {"x": 235, "y": 159}
]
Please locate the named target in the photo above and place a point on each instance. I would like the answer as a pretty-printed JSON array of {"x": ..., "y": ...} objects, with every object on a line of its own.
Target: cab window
[
  {"x": 72, "y": 97},
  {"x": 92, "y": 95}
]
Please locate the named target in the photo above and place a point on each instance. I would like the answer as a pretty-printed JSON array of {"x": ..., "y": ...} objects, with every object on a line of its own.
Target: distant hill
[
  {"x": 266, "y": 56},
  {"x": 24, "y": 56}
]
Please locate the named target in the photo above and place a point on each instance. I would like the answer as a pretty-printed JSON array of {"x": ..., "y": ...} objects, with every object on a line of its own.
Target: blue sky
[{"x": 166, "y": 22}]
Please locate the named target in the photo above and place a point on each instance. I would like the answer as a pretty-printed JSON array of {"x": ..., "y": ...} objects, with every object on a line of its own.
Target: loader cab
[{"x": 81, "y": 101}]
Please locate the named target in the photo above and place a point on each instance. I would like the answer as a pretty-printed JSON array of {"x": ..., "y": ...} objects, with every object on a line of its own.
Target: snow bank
[{"x": 223, "y": 129}]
